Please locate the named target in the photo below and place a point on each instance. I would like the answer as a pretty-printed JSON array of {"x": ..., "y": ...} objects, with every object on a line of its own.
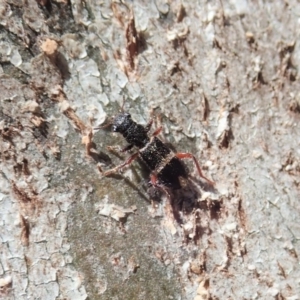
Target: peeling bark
[{"x": 222, "y": 76}]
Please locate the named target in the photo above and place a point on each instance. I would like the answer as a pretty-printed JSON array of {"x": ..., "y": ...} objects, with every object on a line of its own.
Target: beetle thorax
[{"x": 135, "y": 134}]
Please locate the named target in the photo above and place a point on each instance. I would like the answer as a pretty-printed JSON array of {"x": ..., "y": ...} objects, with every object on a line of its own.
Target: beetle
[{"x": 165, "y": 165}]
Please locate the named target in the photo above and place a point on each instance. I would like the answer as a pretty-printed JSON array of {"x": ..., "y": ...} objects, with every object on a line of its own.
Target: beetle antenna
[
  {"x": 123, "y": 104},
  {"x": 110, "y": 122}
]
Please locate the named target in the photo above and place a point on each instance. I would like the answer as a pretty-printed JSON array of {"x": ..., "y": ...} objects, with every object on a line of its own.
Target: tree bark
[{"x": 221, "y": 78}]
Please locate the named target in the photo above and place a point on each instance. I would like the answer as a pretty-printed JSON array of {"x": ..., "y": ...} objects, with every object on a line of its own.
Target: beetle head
[{"x": 122, "y": 122}]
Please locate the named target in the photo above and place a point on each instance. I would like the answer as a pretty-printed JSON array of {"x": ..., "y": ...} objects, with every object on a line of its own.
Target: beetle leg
[
  {"x": 155, "y": 183},
  {"x": 149, "y": 124},
  {"x": 182, "y": 155},
  {"x": 128, "y": 161},
  {"x": 118, "y": 149},
  {"x": 126, "y": 148},
  {"x": 157, "y": 131}
]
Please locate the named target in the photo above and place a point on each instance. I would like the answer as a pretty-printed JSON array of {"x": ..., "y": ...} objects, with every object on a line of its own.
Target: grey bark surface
[{"x": 221, "y": 78}]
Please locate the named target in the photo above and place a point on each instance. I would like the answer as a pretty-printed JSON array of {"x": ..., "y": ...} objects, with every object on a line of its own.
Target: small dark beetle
[{"x": 165, "y": 165}]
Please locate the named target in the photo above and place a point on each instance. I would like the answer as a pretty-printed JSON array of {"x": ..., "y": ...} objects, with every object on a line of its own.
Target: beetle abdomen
[
  {"x": 160, "y": 159},
  {"x": 170, "y": 173}
]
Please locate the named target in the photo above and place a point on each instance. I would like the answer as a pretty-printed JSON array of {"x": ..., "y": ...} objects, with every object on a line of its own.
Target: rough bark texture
[{"x": 223, "y": 77}]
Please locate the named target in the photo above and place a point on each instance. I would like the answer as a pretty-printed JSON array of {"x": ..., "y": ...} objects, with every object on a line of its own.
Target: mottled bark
[{"x": 222, "y": 78}]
